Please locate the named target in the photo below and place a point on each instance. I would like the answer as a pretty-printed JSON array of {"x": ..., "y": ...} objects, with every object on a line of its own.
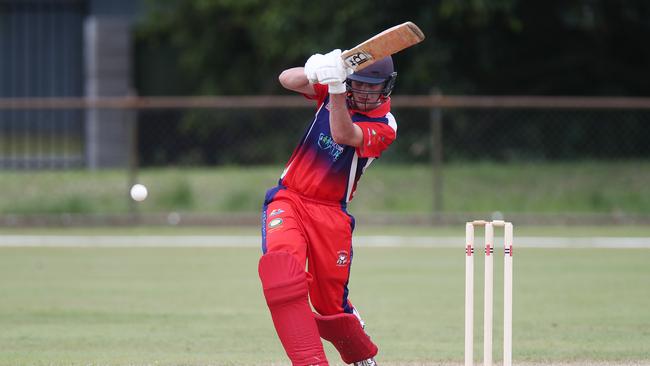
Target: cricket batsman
[{"x": 306, "y": 229}]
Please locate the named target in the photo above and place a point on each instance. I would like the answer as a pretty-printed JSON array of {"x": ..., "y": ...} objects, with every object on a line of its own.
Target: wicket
[{"x": 487, "y": 307}]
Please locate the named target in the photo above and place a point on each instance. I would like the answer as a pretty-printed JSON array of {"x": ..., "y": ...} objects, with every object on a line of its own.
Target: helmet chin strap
[{"x": 354, "y": 104}]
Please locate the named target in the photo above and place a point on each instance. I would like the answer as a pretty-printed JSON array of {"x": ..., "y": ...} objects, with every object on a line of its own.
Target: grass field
[
  {"x": 360, "y": 230},
  {"x": 199, "y": 306},
  {"x": 571, "y": 187}
]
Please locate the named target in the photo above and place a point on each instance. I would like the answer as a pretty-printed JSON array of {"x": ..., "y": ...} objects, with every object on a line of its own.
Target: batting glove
[
  {"x": 333, "y": 72},
  {"x": 313, "y": 62}
]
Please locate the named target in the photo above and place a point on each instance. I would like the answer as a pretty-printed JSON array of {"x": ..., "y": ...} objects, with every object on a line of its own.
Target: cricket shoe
[{"x": 368, "y": 362}]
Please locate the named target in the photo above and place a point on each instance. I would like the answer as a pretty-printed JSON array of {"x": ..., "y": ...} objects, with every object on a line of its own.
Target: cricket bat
[{"x": 386, "y": 43}]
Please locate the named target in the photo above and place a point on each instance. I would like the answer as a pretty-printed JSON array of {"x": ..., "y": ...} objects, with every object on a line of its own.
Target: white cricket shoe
[{"x": 368, "y": 362}]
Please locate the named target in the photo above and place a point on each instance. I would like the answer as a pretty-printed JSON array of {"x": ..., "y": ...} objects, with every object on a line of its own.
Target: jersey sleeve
[
  {"x": 377, "y": 136},
  {"x": 321, "y": 93}
]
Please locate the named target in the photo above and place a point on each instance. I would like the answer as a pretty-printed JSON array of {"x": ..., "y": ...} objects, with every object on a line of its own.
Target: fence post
[
  {"x": 130, "y": 115},
  {"x": 436, "y": 151}
]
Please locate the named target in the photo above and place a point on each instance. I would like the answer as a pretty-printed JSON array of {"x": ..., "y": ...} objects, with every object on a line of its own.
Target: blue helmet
[{"x": 380, "y": 72}]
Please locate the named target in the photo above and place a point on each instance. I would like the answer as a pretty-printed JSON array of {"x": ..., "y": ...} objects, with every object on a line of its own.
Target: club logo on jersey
[
  {"x": 275, "y": 223},
  {"x": 373, "y": 137},
  {"x": 277, "y": 211},
  {"x": 327, "y": 143},
  {"x": 342, "y": 258}
]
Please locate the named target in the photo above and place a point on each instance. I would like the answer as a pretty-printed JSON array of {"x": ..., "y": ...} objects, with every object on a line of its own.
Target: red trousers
[{"x": 319, "y": 235}]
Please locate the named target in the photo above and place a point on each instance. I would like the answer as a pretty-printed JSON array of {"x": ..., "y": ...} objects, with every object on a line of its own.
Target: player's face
[{"x": 366, "y": 96}]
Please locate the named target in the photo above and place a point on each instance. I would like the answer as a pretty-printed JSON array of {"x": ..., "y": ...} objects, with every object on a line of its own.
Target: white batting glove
[
  {"x": 336, "y": 87},
  {"x": 313, "y": 62},
  {"x": 333, "y": 72}
]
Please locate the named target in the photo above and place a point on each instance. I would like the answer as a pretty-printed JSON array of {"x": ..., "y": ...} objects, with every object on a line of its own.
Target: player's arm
[
  {"x": 330, "y": 70},
  {"x": 344, "y": 132},
  {"x": 295, "y": 79},
  {"x": 302, "y": 79}
]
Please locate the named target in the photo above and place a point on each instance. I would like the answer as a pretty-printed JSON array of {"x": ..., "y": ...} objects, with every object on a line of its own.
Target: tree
[
  {"x": 496, "y": 47},
  {"x": 586, "y": 47}
]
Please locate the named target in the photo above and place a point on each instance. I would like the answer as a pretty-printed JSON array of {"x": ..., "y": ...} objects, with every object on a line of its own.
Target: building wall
[{"x": 44, "y": 48}]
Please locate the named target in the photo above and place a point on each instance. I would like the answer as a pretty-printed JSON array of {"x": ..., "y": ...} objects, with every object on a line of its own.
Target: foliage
[
  {"x": 587, "y": 47},
  {"x": 498, "y": 47}
]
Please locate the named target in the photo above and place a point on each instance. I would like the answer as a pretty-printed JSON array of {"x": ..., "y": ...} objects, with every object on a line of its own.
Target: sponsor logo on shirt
[
  {"x": 275, "y": 223},
  {"x": 327, "y": 143},
  {"x": 277, "y": 211}
]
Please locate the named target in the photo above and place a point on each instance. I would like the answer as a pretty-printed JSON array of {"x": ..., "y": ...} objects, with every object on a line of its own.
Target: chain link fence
[{"x": 209, "y": 160}]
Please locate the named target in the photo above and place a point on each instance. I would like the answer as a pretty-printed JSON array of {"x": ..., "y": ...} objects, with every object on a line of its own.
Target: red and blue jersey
[{"x": 322, "y": 169}]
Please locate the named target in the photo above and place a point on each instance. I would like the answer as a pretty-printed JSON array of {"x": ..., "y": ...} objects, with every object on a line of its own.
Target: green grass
[
  {"x": 578, "y": 187},
  {"x": 361, "y": 229},
  {"x": 40, "y": 145},
  {"x": 190, "y": 306}
]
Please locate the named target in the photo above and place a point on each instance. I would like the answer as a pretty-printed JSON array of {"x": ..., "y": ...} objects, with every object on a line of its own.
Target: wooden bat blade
[{"x": 386, "y": 43}]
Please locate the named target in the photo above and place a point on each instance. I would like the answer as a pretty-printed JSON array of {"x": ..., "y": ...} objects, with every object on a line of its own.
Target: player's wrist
[{"x": 337, "y": 88}]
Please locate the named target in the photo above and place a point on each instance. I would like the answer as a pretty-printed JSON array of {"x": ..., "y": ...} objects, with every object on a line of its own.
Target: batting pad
[
  {"x": 346, "y": 334},
  {"x": 285, "y": 288},
  {"x": 282, "y": 278}
]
